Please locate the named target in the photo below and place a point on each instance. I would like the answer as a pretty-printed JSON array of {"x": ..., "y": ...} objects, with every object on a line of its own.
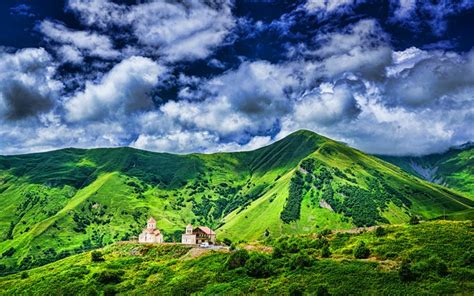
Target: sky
[{"x": 388, "y": 77}]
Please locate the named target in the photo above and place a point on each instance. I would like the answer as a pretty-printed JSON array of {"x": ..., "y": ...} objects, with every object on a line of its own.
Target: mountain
[
  {"x": 453, "y": 168},
  {"x": 63, "y": 202}
]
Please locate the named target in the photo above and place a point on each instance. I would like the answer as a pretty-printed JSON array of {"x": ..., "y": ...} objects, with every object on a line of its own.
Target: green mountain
[
  {"x": 453, "y": 168},
  {"x": 63, "y": 202}
]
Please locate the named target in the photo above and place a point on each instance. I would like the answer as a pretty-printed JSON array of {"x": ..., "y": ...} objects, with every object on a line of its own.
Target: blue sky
[{"x": 390, "y": 77}]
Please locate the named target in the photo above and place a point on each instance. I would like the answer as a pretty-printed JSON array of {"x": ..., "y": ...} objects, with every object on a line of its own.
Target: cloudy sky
[{"x": 388, "y": 77}]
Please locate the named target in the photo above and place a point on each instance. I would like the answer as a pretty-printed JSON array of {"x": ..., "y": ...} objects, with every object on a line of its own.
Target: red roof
[{"x": 206, "y": 230}]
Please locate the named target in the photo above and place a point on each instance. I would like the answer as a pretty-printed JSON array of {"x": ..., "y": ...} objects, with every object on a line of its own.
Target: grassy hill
[
  {"x": 63, "y": 202},
  {"x": 453, "y": 168},
  {"x": 394, "y": 260}
]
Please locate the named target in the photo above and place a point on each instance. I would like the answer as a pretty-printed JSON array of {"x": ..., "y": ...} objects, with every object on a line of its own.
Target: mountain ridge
[{"x": 70, "y": 200}]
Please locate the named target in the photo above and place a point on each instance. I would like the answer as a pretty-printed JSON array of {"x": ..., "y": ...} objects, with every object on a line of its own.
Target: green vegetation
[
  {"x": 69, "y": 201},
  {"x": 404, "y": 261},
  {"x": 453, "y": 168}
]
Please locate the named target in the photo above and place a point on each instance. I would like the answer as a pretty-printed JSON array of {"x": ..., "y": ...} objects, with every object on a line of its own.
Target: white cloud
[
  {"x": 442, "y": 75},
  {"x": 27, "y": 86},
  {"x": 325, "y": 8},
  {"x": 92, "y": 44},
  {"x": 360, "y": 48},
  {"x": 121, "y": 91},
  {"x": 327, "y": 106},
  {"x": 177, "y": 30}
]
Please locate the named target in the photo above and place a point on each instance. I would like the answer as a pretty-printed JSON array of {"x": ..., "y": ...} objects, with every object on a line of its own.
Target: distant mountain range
[
  {"x": 453, "y": 168},
  {"x": 66, "y": 201}
]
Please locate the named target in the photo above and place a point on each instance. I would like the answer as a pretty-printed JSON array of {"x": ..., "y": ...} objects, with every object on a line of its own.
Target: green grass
[{"x": 131, "y": 269}]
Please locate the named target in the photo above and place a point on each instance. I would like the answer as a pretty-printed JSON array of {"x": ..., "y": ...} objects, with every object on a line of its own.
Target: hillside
[
  {"x": 63, "y": 202},
  {"x": 400, "y": 258},
  {"x": 453, "y": 168}
]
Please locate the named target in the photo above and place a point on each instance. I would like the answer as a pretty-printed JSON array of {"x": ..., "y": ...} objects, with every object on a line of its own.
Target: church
[
  {"x": 198, "y": 235},
  {"x": 150, "y": 234}
]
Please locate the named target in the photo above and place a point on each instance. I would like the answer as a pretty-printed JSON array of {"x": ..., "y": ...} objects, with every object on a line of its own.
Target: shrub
[
  {"x": 24, "y": 275},
  {"x": 96, "y": 256},
  {"x": 325, "y": 252},
  {"x": 109, "y": 276},
  {"x": 468, "y": 259},
  {"x": 258, "y": 265},
  {"x": 414, "y": 220},
  {"x": 361, "y": 251},
  {"x": 380, "y": 231},
  {"x": 301, "y": 260},
  {"x": 227, "y": 241},
  {"x": 322, "y": 291},
  {"x": 295, "y": 290},
  {"x": 9, "y": 252},
  {"x": 237, "y": 259},
  {"x": 405, "y": 272}
]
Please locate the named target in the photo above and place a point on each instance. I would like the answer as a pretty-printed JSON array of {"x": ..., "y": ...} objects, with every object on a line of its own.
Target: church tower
[
  {"x": 189, "y": 229},
  {"x": 151, "y": 223}
]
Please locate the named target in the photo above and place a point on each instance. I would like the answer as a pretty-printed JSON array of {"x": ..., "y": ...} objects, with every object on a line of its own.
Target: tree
[
  {"x": 325, "y": 252},
  {"x": 322, "y": 291},
  {"x": 361, "y": 251},
  {"x": 405, "y": 272},
  {"x": 380, "y": 231},
  {"x": 414, "y": 220},
  {"x": 237, "y": 259},
  {"x": 96, "y": 256},
  {"x": 227, "y": 241},
  {"x": 258, "y": 265},
  {"x": 300, "y": 260}
]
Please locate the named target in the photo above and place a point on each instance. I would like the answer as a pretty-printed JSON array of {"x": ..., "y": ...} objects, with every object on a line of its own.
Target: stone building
[
  {"x": 150, "y": 234},
  {"x": 198, "y": 235}
]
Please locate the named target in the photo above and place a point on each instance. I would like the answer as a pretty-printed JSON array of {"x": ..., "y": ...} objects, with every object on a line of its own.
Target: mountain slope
[
  {"x": 453, "y": 168},
  {"x": 442, "y": 268},
  {"x": 71, "y": 200}
]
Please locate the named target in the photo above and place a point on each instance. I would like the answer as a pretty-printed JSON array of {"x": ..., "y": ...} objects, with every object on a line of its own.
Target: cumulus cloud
[
  {"x": 124, "y": 89},
  {"x": 361, "y": 48},
  {"x": 416, "y": 13},
  {"x": 27, "y": 86},
  {"x": 90, "y": 43},
  {"x": 250, "y": 98},
  {"x": 326, "y": 7},
  {"x": 443, "y": 75},
  {"x": 328, "y": 105},
  {"x": 177, "y": 30}
]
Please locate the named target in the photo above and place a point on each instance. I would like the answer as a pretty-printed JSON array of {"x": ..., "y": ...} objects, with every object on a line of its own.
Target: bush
[
  {"x": 109, "y": 276},
  {"x": 468, "y": 259},
  {"x": 380, "y": 231},
  {"x": 405, "y": 272},
  {"x": 227, "y": 241},
  {"x": 258, "y": 265},
  {"x": 237, "y": 259},
  {"x": 433, "y": 265},
  {"x": 322, "y": 291},
  {"x": 325, "y": 252},
  {"x": 301, "y": 260},
  {"x": 361, "y": 251},
  {"x": 96, "y": 256},
  {"x": 9, "y": 252},
  {"x": 295, "y": 290},
  {"x": 414, "y": 220},
  {"x": 24, "y": 275}
]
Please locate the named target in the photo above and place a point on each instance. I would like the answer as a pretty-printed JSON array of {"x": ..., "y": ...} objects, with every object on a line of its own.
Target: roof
[
  {"x": 151, "y": 220},
  {"x": 206, "y": 230}
]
